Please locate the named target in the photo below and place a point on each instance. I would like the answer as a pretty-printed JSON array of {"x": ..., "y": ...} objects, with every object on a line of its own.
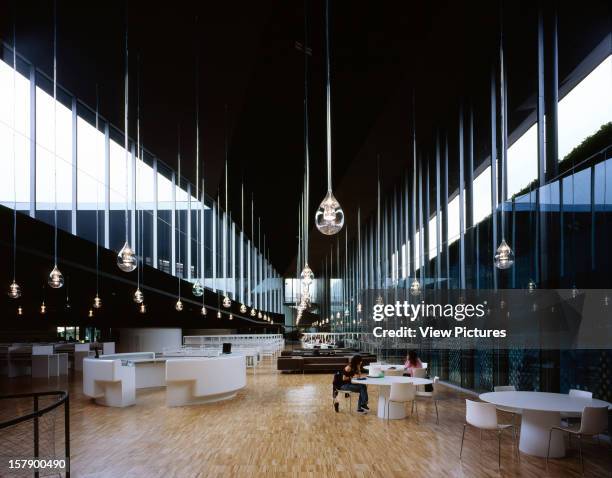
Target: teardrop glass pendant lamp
[
  {"x": 126, "y": 259},
  {"x": 56, "y": 279},
  {"x": 504, "y": 257},
  {"x": 329, "y": 218},
  {"x": 138, "y": 297},
  {"x": 197, "y": 289}
]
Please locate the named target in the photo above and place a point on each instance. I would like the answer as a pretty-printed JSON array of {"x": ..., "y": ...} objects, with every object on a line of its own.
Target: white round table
[
  {"x": 541, "y": 412},
  {"x": 386, "y": 367},
  {"x": 396, "y": 410}
]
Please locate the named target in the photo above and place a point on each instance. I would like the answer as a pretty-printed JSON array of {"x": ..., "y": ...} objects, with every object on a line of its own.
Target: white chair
[
  {"x": 402, "y": 393},
  {"x": 576, "y": 394},
  {"x": 434, "y": 395},
  {"x": 594, "y": 422},
  {"x": 483, "y": 416},
  {"x": 419, "y": 372},
  {"x": 513, "y": 411},
  {"x": 348, "y": 395}
]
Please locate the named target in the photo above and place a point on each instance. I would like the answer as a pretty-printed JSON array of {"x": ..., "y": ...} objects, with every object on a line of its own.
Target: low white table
[
  {"x": 397, "y": 411},
  {"x": 541, "y": 412}
]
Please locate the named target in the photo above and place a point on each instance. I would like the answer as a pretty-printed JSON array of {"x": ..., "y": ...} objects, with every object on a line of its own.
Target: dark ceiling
[{"x": 251, "y": 66}]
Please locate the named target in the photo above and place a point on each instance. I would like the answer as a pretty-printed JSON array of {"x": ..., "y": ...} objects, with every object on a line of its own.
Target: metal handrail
[{"x": 37, "y": 413}]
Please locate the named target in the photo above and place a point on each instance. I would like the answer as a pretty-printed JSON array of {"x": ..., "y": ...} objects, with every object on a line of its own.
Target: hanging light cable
[
  {"x": 197, "y": 290},
  {"x": 329, "y": 218},
  {"x": 226, "y": 300},
  {"x": 307, "y": 275},
  {"x": 14, "y": 288},
  {"x": 126, "y": 259},
  {"x": 138, "y": 295},
  {"x": 179, "y": 304},
  {"x": 56, "y": 279},
  {"x": 504, "y": 257},
  {"x": 97, "y": 302},
  {"x": 243, "y": 307}
]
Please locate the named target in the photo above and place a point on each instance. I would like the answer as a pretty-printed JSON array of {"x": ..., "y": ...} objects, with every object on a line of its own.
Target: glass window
[
  {"x": 482, "y": 196},
  {"x": 119, "y": 180},
  {"x": 433, "y": 246},
  {"x": 585, "y": 108},
  {"x": 15, "y": 138},
  {"x": 90, "y": 180},
  {"x": 522, "y": 161},
  {"x": 53, "y": 159}
]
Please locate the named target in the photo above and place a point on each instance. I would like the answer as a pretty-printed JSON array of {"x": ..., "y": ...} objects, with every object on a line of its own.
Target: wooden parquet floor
[{"x": 284, "y": 425}]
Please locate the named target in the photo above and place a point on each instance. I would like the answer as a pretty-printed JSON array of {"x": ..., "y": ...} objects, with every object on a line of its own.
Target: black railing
[{"x": 35, "y": 416}]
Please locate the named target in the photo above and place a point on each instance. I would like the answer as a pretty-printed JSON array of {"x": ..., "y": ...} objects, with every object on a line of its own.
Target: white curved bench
[
  {"x": 110, "y": 382},
  {"x": 203, "y": 380}
]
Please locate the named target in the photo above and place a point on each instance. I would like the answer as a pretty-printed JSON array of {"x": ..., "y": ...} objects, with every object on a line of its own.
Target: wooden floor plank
[{"x": 284, "y": 425}]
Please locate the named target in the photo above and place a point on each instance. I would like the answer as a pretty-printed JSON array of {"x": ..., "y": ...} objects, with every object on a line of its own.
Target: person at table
[
  {"x": 412, "y": 361},
  {"x": 353, "y": 370}
]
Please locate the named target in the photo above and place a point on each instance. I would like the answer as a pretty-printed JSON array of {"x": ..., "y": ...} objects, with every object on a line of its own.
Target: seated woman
[
  {"x": 412, "y": 362},
  {"x": 353, "y": 370}
]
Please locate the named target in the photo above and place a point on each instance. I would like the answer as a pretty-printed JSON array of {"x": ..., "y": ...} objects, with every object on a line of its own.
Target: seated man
[{"x": 353, "y": 369}]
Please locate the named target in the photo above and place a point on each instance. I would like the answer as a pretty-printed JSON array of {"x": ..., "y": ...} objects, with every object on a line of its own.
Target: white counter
[
  {"x": 187, "y": 380},
  {"x": 204, "y": 379}
]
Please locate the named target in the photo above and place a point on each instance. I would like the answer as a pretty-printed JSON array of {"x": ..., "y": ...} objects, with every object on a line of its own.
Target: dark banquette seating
[{"x": 319, "y": 363}]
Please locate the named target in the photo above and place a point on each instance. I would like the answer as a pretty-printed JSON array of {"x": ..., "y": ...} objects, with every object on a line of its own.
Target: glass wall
[
  {"x": 560, "y": 233},
  {"x": 99, "y": 186}
]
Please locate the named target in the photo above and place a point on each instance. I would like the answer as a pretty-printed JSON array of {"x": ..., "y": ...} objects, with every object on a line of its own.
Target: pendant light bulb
[
  {"x": 19, "y": 311},
  {"x": 138, "y": 296},
  {"x": 126, "y": 259},
  {"x": 379, "y": 300},
  {"x": 231, "y": 317},
  {"x": 226, "y": 302},
  {"x": 259, "y": 315},
  {"x": 253, "y": 312},
  {"x": 337, "y": 315},
  {"x": 178, "y": 306},
  {"x": 218, "y": 314},
  {"x": 197, "y": 289},
  {"x": 574, "y": 292},
  {"x": 329, "y": 218},
  {"x": 90, "y": 313},
  {"x": 43, "y": 308},
  {"x": 56, "y": 279},
  {"x": 203, "y": 311},
  {"x": 415, "y": 287},
  {"x": 97, "y": 303},
  {"x": 14, "y": 290},
  {"x": 504, "y": 258},
  {"x": 243, "y": 308},
  {"x": 359, "y": 308},
  {"x": 142, "y": 308},
  {"x": 531, "y": 286}
]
